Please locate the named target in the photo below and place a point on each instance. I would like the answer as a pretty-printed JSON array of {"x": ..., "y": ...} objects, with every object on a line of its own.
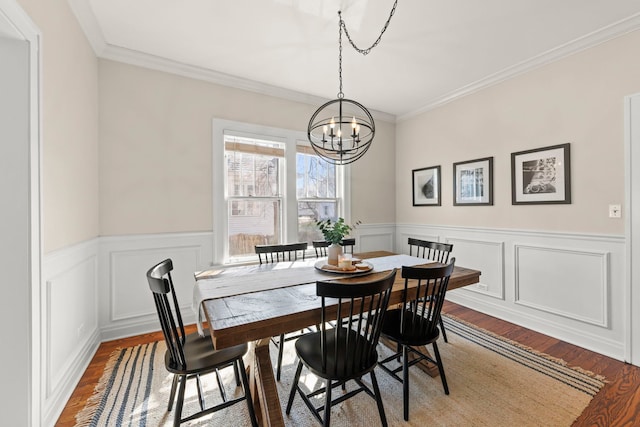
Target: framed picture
[
  {"x": 426, "y": 186},
  {"x": 473, "y": 182},
  {"x": 542, "y": 175}
]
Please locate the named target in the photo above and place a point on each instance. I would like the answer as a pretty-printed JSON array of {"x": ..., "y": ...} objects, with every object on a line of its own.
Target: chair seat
[
  {"x": 308, "y": 348},
  {"x": 415, "y": 337},
  {"x": 201, "y": 357}
]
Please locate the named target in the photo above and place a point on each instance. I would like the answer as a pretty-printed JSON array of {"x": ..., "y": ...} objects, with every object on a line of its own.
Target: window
[
  {"x": 254, "y": 193},
  {"x": 269, "y": 186},
  {"x": 316, "y": 191}
]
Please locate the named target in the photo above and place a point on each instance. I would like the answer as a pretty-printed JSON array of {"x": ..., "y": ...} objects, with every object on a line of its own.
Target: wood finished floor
[{"x": 617, "y": 404}]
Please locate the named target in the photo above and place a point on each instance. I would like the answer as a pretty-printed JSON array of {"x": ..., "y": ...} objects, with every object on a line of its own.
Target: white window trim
[{"x": 291, "y": 139}]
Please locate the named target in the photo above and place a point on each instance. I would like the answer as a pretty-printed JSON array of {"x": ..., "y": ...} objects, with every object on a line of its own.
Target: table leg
[{"x": 263, "y": 387}]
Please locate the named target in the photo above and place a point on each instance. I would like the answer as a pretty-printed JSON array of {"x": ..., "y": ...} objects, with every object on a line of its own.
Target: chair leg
[
  {"x": 440, "y": 368},
  {"x": 200, "y": 393},
  {"x": 376, "y": 391},
  {"x": 327, "y": 404},
  {"x": 172, "y": 395},
  {"x": 280, "y": 352},
  {"x": 294, "y": 387},
  {"x": 405, "y": 382},
  {"x": 223, "y": 392},
  {"x": 177, "y": 416},
  {"x": 236, "y": 373},
  {"x": 247, "y": 391},
  {"x": 444, "y": 333}
]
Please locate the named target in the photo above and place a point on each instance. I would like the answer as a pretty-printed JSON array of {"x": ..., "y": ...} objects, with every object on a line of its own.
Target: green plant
[{"x": 335, "y": 231}]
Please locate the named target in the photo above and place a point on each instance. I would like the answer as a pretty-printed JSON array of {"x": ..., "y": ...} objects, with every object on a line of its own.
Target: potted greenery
[{"x": 334, "y": 232}]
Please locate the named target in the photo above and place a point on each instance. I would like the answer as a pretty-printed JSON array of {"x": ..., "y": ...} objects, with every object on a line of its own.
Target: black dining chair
[
  {"x": 320, "y": 246},
  {"x": 347, "y": 350},
  {"x": 434, "y": 251},
  {"x": 415, "y": 324},
  {"x": 348, "y": 244},
  {"x": 277, "y": 253},
  {"x": 190, "y": 355}
]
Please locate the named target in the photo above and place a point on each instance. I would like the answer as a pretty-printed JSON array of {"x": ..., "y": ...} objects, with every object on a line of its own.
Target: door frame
[
  {"x": 632, "y": 227},
  {"x": 21, "y": 27}
]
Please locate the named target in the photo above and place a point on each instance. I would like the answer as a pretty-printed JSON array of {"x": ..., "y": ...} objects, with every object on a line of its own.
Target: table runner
[{"x": 226, "y": 282}]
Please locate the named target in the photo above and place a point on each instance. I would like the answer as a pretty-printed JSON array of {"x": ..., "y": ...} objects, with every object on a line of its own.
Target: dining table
[{"x": 251, "y": 304}]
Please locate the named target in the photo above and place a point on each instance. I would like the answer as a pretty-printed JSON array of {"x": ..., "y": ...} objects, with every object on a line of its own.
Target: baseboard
[{"x": 54, "y": 405}]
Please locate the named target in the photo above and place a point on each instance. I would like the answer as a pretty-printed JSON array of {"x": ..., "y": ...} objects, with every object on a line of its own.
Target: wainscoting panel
[
  {"x": 70, "y": 328},
  {"x": 375, "y": 238},
  {"x": 486, "y": 256},
  {"x": 131, "y": 297},
  {"x": 578, "y": 289},
  {"x": 126, "y": 304},
  {"x": 570, "y": 286}
]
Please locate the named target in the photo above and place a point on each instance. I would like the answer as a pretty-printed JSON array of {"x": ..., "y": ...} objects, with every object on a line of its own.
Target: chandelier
[{"x": 342, "y": 130}]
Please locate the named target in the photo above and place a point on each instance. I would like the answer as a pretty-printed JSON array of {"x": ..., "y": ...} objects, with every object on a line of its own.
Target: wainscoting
[
  {"x": 70, "y": 328},
  {"x": 569, "y": 286}
]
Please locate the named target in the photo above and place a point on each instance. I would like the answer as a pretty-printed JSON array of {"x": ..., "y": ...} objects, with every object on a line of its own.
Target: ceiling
[{"x": 432, "y": 52}]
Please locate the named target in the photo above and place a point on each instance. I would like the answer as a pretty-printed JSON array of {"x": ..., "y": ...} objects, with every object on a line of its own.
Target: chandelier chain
[
  {"x": 367, "y": 50},
  {"x": 340, "y": 94},
  {"x": 343, "y": 26}
]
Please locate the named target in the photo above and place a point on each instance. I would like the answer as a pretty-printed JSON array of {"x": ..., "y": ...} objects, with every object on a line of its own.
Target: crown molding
[
  {"x": 89, "y": 24},
  {"x": 102, "y": 49},
  {"x": 622, "y": 27},
  {"x": 157, "y": 63}
]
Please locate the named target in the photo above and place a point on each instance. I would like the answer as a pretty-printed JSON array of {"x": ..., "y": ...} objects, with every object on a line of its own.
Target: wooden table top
[{"x": 249, "y": 317}]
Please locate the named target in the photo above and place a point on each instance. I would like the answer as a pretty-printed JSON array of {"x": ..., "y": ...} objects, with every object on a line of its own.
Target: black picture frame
[
  {"x": 541, "y": 176},
  {"x": 473, "y": 182},
  {"x": 426, "y": 186}
]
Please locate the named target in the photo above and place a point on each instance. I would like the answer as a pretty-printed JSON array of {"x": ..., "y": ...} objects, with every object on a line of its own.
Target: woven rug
[{"x": 492, "y": 382}]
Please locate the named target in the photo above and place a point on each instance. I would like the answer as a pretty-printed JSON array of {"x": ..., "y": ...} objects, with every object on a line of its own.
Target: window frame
[{"x": 291, "y": 140}]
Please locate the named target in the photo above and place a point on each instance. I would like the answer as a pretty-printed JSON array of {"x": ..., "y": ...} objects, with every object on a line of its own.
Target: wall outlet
[
  {"x": 482, "y": 287},
  {"x": 615, "y": 211}
]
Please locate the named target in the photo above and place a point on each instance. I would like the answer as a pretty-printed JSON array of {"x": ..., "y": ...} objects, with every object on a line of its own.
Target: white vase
[{"x": 333, "y": 251}]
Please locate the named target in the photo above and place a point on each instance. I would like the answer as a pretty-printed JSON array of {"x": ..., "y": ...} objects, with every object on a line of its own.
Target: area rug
[{"x": 492, "y": 382}]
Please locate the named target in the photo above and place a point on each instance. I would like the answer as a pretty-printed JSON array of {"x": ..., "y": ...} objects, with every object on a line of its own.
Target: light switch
[{"x": 615, "y": 211}]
